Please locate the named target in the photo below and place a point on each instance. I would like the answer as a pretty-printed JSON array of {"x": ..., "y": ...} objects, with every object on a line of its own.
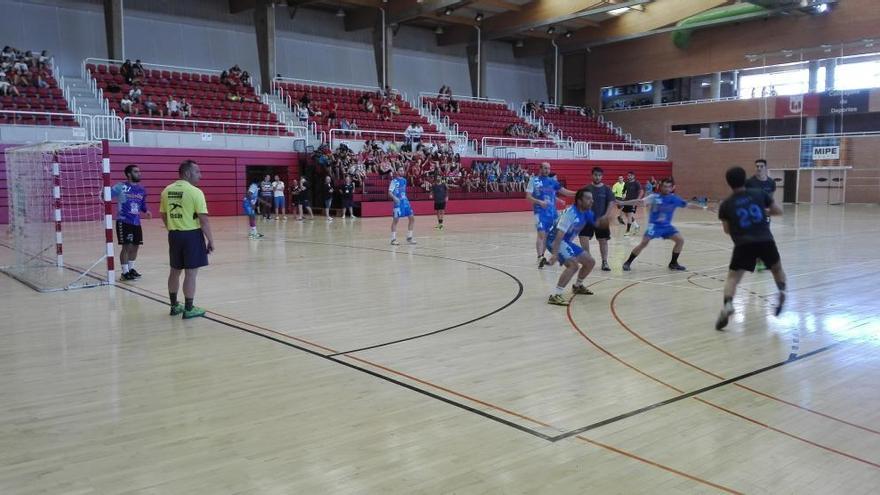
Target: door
[{"x": 788, "y": 186}]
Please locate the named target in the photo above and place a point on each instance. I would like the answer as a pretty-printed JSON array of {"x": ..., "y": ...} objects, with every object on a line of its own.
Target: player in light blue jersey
[
  {"x": 249, "y": 205},
  {"x": 564, "y": 249},
  {"x": 402, "y": 208},
  {"x": 541, "y": 192},
  {"x": 661, "y": 208},
  {"x": 131, "y": 198}
]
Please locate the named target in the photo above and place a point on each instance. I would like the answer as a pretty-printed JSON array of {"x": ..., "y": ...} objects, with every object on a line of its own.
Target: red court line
[
  {"x": 791, "y": 435},
  {"x": 719, "y": 377},
  {"x": 661, "y": 466},
  {"x": 481, "y": 402}
]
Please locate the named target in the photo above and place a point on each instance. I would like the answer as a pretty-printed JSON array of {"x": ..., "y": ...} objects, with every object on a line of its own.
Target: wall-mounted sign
[
  {"x": 843, "y": 102},
  {"x": 826, "y": 153}
]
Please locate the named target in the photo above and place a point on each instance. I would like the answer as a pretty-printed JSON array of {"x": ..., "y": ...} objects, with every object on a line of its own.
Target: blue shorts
[
  {"x": 187, "y": 249},
  {"x": 664, "y": 231},
  {"x": 279, "y": 201},
  {"x": 402, "y": 209},
  {"x": 567, "y": 250},
  {"x": 544, "y": 221},
  {"x": 249, "y": 210}
]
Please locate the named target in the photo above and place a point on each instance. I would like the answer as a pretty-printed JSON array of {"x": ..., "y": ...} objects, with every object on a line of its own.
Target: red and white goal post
[{"x": 60, "y": 215}]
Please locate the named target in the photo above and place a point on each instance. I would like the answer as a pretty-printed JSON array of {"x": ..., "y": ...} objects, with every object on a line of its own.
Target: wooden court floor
[{"x": 332, "y": 362}]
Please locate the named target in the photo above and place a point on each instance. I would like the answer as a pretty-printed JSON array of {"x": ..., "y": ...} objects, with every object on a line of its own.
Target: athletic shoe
[
  {"x": 128, "y": 276},
  {"x": 284, "y": 218},
  {"x": 437, "y": 227},
  {"x": 542, "y": 262},
  {"x": 410, "y": 240},
  {"x": 724, "y": 316},
  {"x": 441, "y": 226},
  {"x": 605, "y": 267},
  {"x": 329, "y": 219},
  {"x": 176, "y": 309},
  {"x": 627, "y": 233},
  {"x": 626, "y": 267},
  {"x": 780, "y": 303},
  {"x": 676, "y": 266},
  {"x": 353, "y": 216},
  {"x": 636, "y": 227},
  {"x": 557, "y": 300},
  {"x": 760, "y": 266},
  {"x": 395, "y": 242},
  {"x": 580, "y": 289},
  {"x": 195, "y": 312},
  {"x": 134, "y": 273}
]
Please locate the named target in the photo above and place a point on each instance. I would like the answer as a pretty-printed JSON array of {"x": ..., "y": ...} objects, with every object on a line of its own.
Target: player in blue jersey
[
  {"x": 564, "y": 249},
  {"x": 402, "y": 208},
  {"x": 744, "y": 217},
  {"x": 131, "y": 199},
  {"x": 541, "y": 192},
  {"x": 249, "y": 205},
  {"x": 661, "y": 207}
]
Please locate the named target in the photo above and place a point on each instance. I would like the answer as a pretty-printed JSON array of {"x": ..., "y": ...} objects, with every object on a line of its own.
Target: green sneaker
[
  {"x": 195, "y": 312},
  {"x": 760, "y": 266},
  {"x": 176, "y": 309},
  {"x": 557, "y": 300}
]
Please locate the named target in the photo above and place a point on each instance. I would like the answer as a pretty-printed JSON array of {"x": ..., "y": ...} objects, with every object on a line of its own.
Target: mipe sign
[{"x": 826, "y": 153}]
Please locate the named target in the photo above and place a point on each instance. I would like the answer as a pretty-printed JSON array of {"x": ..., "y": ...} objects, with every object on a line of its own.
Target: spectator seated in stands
[
  {"x": 127, "y": 105},
  {"x": 125, "y": 70},
  {"x": 135, "y": 93},
  {"x": 331, "y": 113},
  {"x": 366, "y": 103},
  {"x": 185, "y": 108},
  {"x": 224, "y": 78},
  {"x": 151, "y": 107},
  {"x": 343, "y": 124},
  {"x": 245, "y": 79},
  {"x": 137, "y": 73},
  {"x": 40, "y": 81},
  {"x": 172, "y": 106},
  {"x": 6, "y": 87}
]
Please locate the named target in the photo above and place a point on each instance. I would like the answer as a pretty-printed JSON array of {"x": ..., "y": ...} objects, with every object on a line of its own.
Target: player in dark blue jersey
[
  {"x": 541, "y": 192},
  {"x": 560, "y": 243},
  {"x": 131, "y": 199},
  {"x": 762, "y": 181},
  {"x": 744, "y": 217},
  {"x": 661, "y": 208},
  {"x": 402, "y": 208}
]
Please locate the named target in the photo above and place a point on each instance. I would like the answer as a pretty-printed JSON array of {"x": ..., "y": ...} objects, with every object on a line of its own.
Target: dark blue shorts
[{"x": 187, "y": 249}]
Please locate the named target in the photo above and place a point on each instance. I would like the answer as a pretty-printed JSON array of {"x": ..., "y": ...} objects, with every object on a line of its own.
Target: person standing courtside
[
  {"x": 278, "y": 198},
  {"x": 744, "y": 217},
  {"x": 266, "y": 195},
  {"x": 617, "y": 189},
  {"x": 602, "y": 199},
  {"x": 185, "y": 215},
  {"x": 439, "y": 193},
  {"x": 132, "y": 200},
  {"x": 761, "y": 181}
]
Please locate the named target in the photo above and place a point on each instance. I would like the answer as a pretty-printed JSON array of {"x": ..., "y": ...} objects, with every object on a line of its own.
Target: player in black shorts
[
  {"x": 439, "y": 193},
  {"x": 631, "y": 190},
  {"x": 603, "y": 197},
  {"x": 744, "y": 217},
  {"x": 762, "y": 181}
]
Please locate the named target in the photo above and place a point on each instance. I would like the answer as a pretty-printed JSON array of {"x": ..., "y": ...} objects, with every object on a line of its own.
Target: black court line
[
  {"x": 688, "y": 395},
  {"x": 519, "y": 293},
  {"x": 374, "y": 374}
]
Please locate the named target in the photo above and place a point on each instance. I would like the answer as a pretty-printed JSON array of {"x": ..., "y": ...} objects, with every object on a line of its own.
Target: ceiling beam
[
  {"x": 456, "y": 35},
  {"x": 658, "y": 14},
  {"x": 501, "y": 4},
  {"x": 406, "y": 10},
  {"x": 544, "y": 12},
  {"x": 360, "y": 18}
]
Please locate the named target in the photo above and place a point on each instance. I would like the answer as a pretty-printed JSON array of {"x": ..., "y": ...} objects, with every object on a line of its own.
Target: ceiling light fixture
[
  {"x": 568, "y": 34},
  {"x": 618, "y": 11},
  {"x": 340, "y": 13},
  {"x": 551, "y": 29},
  {"x": 448, "y": 11},
  {"x": 438, "y": 30},
  {"x": 479, "y": 17}
]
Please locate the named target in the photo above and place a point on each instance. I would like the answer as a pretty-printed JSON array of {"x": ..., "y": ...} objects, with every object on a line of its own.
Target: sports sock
[
  {"x": 131, "y": 264},
  {"x": 580, "y": 281},
  {"x": 780, "y": 286},
  {"x": 173, "y": 297},
  {"x": 393, "y": 236},
  {"x": 558, "y": 291},
  {"x": 253, "y": 229},
  {"x": 631, "y": 258},
  {"x": 188, "y": 304},
  {"x": 125, "y": 268},
  {"x": 409, "y": 234},
  {"x": 674, "y": 258},
  {"x": 727, "y": 300}
]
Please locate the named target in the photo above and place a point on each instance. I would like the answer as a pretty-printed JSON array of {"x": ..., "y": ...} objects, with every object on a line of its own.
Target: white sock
[
  {"x": 253, "y": 230},
  {"x": 393, "y": 236},
  {"x": 580, "y": 281},
  {"x": 558, "y": 291},
  {"x": 125, "y": 268},
  {"x": 409, "y": 234},
  {"x": 131, "y": 265}
]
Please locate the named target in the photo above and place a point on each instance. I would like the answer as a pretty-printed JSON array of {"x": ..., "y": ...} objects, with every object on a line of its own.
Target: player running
[
  {"x": 744, "y": 217},
  {"x": 131, "y": 198},
  {"x": 402, "y": 208},
  {"x": 541, "y": 191}
]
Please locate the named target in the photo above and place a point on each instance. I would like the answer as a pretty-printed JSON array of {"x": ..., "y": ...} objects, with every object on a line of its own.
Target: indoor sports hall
[{"x": 250, "y": 247}]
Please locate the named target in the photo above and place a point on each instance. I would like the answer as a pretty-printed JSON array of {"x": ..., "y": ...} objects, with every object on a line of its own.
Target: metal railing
[
  {"x": 211, "y": 125},
  {"x": 59, "y": 117},
  {"x": 109, "y": 127},
  {"x": 512, "y": 142},
  {"x": 309, "y": 82},
  {"x": 797, "y": 137},
  {"x": 423, "y": 95},
  {"x": 585, "y": 149},
  {"x": 337, "y": 135}
]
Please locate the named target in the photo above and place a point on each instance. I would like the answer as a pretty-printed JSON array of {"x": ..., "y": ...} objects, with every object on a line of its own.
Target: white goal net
[{"x": 59, "y": 223}]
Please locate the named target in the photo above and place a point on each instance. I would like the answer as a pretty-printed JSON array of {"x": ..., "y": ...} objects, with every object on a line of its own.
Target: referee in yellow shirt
[
  {"x": 185, "y": 215},
  {"x": 617, "y": 191}
]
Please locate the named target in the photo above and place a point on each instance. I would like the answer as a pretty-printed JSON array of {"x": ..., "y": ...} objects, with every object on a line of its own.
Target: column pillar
[
  {"x": 114, "y": 29},
  {"x": 264, "y": 26},
  {"x": 658, "y": 92}
]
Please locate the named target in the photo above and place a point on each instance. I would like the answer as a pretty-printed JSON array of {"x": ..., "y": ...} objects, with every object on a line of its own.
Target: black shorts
[
  {"x": 630, "y": 209},
  {"x": 745, "y": 255},
  {"x": 303, "y": 201},
  {"x": 127, "y": 233},
  {"x": 439, "y": 205},
  {"x": 589, "y": 230},
  {"x": 347, "y": 202},
  {"x": 187, "y": 249}
]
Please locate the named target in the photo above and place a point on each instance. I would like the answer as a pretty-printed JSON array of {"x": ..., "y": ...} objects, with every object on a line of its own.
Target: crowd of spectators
[
  {"x": 445, "y": 102},
  {"x": 524, "y": 131},
  {"x": 22, "y": 69},
  {"x": 540, "y": 108}
]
